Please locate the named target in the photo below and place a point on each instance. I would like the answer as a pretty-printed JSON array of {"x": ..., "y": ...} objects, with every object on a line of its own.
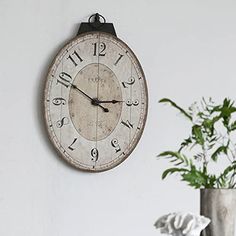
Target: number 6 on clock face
[{"x": 95, "y": 101}]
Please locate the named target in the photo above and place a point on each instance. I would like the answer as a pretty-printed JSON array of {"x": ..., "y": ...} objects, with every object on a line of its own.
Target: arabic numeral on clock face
[
  {"x": 101, "y": 49},
  {"x": 120, "y": 56},
  {"x": 115, "y": 144},
  {"x": 94, "y": 154},
  {"x": 71, "y": 146},
  {"x": 62, "y": 122},
  {"x": 75, "y": 58},
  {"x": 129, "y": 102},
  {"x": 128, "y": 83},
  {"x": 127, "y": 124},
  {"x": 59, "y": 101},
  {"x": 64, "y": 79}
]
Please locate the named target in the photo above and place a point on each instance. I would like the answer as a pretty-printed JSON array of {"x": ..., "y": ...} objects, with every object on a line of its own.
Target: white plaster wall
[{"x": 187, "y": 49}]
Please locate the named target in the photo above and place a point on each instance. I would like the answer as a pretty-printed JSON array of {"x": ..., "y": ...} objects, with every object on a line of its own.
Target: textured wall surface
[{"x": 187, "y": 49}]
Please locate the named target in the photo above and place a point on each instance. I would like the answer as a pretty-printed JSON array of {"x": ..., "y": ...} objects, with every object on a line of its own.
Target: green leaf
[
  {"x": 208, "y": 125},
  {"x": 173, "y": 104},
  {"x": 229, "y": 168},
  {"x": 185, "y": 143},
  {"x": 199, "y": 156},
  {"x": 211, "y": 181},
  {"x": 223, "y": 178},
  {"x": 218, "y": 151},
  {"x": 195, "y": 178},
  {"x": 197, "y": 134},
  {"x": 233, "y": 126},
  {"x": 226, "y": 110},
  {"x": 176, "y": 157},
  {"x": 172, "y": 170}
]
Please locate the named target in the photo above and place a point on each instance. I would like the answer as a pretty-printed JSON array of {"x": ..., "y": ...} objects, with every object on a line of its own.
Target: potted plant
[{"x": 210, "y": 142}]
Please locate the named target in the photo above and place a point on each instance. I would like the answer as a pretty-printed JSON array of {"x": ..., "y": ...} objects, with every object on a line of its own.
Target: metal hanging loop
[{"x": 97, "y": 23}]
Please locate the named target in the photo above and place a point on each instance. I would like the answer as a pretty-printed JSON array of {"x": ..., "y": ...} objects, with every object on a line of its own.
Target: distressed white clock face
[{"x": 95, "y": 101}]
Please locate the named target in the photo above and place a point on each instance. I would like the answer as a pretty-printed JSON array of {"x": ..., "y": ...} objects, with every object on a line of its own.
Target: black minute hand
[{"x": 86, "y": 95}]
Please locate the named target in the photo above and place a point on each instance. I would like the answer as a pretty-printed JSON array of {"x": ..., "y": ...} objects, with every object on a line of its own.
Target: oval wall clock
[{"x": 95, "y": 98}]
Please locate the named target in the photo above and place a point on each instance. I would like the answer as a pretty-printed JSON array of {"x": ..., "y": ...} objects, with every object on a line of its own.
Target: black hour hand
[{"x": 108, "y": 101}]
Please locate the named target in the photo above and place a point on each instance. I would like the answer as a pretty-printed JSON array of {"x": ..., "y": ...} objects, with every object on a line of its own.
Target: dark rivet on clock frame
[{"x": 97, "y": 22}]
